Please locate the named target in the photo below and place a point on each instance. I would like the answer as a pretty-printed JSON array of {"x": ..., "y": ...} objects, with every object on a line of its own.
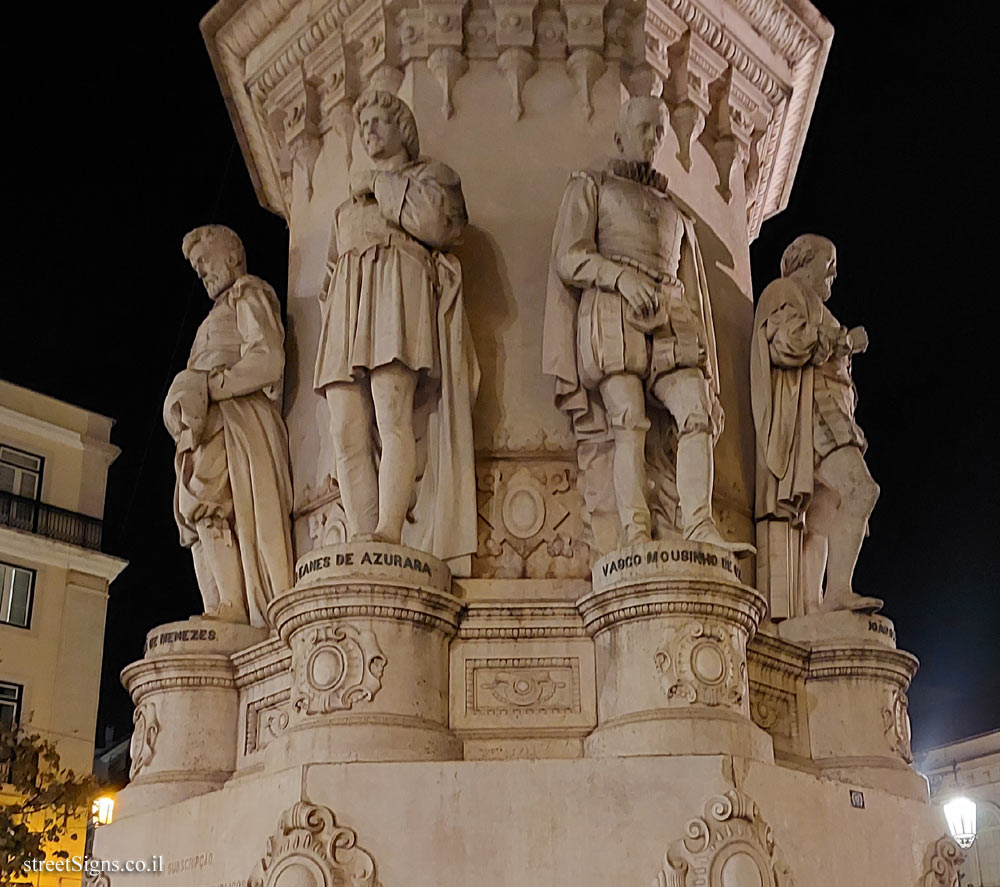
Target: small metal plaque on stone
[
  {"x": 674, "y": 559},
  {"x": 857, "y": 799},
  {"x": 372, "y": 561}
]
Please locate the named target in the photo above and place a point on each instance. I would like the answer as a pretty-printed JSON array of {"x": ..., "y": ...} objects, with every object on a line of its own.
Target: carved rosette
[
  {"x": 144, "y": 734},
  {"x": 309, "y": 848},
  {"x": 702, "y": 665},
  {"x": 945, "y": 859},
  {"x": 896, "y": 720},
  {"x": 729, "y": 844},
  {"x": 335, "y": 667}
]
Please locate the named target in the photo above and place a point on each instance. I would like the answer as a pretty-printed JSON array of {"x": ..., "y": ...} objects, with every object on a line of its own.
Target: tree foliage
[{"x": 48, "y": 800}]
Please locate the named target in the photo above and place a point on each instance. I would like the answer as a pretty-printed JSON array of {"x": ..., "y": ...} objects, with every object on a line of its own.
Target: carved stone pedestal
[
  {"x": 184, "y": 742},
  {"x": 368, "y": 625},
  {"x": 670, "y": 623},
  {"x": 856, "y": 683}
]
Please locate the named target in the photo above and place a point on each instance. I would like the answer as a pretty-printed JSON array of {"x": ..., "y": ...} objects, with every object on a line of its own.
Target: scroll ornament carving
[
  {"x": 896, "y": 719},
  {"x": 524, "y": 688},
  {"x": 699, "y": 666},
  {"x": 946, "y": 857},
  {"x": 143, "y": 744},
  {"x": 774, "y": 710},
  {"x": 309, "y": 847},
  {"x": 335, "y": 667},
  {"x": 729, "y": 846},
  {"x": 98, "y": 879}
]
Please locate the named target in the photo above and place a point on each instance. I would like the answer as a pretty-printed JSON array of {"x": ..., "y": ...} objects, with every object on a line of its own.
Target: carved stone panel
[
  {"x": 267, "y": 719},
  {"x": 143, "y": 744},
  {"x": 730, "y": 845},
  {"x": 775, "y": 710},
  {"x": 702, "y": 665},
  {"x": 335, "y": 667},
  {"x": 309, "y": 848},
  {"x": 896, "y": 720},
  {"x": 530, "y": 685},
  {"x": 529, "y": 521}
]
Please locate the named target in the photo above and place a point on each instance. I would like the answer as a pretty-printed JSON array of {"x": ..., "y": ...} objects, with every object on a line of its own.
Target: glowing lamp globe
[
  {"x": 103, "y": 810},
  {"x": 961, "y": 816}
]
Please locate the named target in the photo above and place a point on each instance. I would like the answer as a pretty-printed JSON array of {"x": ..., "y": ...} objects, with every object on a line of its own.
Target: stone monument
[{"x": 551, "y": 668}]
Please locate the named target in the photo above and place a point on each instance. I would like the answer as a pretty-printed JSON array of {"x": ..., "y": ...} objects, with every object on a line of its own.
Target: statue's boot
[
  {"x": 222, "y": 555},
  {"x": 850, "y": 601},
  {"x": 629, "y": 478},
  {"x": 695, "y": 482}
]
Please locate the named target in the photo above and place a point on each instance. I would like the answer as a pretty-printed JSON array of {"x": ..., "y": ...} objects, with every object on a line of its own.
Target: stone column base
[
  {"x": 670, "y": 622},
  {"x": 184, "y": 743},
  {"x": 369, "y": 626}
]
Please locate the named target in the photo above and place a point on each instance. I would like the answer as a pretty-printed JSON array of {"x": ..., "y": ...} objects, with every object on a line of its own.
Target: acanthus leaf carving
[
  {"x": 334, "y": 668},
  {"x": 730, "y": 837},
  {"x": 585, "y": 67},
  {"x": 310, "y": 847},
  {"x": 146, "y": 729},
  {"x": 447, "y": 64},
  {"x": 517, "y": 65}
]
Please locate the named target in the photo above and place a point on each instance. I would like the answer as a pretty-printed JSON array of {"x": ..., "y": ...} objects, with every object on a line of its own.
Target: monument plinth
[{"x": 528, "y": 409}]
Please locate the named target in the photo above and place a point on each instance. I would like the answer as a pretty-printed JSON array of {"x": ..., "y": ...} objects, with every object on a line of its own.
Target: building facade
[
  {"x": 54, "y": 577},
  {"x": 971, "y": 767}
]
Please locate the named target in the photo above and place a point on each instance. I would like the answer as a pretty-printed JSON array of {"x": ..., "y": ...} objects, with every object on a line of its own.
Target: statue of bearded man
[{"x": 395, "y": 349}]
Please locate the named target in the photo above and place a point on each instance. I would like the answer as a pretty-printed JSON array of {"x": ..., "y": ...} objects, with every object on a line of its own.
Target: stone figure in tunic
[
  {"x": 629, "y": 337},
  {"x": 395, "y": 351},
  {"x": 233, "y": 496},
  {"x": 811, "y": 470}
]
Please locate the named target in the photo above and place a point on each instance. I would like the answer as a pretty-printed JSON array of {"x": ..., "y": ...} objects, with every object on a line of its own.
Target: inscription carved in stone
[
  {"x": 143, "y": 744},
  {"x": 309, "y": 848},
  {"x": 335, "y": 666},
  {"x": 699, "y": 666}
]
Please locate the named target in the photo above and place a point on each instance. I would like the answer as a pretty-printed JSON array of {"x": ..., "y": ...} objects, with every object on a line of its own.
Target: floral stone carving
[
  {"x": 729, "y": 846},
  {"x": 946, "y": 857},
  {"x": 147, "y": 728},
  {"x": 309, "y": 849},
  {"x": 699, "y": 666},
  {"x": 335, "y": 666}
]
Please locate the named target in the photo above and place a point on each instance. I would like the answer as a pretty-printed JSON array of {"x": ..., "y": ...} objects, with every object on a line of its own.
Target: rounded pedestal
[
  {"x": 369, "y": 626},
  {"x": 859, "y": 726},
  {"x": 670, "y": 623},
  {"x": 184, "y": 741}
]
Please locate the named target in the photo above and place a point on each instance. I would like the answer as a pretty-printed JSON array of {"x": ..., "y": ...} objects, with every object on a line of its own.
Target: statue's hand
[
  {"x": 363, "y": 182},
  {"x": 857, "y": 338},
  {"x": 639, "y": 291}
]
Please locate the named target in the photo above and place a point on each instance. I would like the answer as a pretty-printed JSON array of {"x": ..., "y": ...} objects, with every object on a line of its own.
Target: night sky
[{"x": 120, "y": 143}]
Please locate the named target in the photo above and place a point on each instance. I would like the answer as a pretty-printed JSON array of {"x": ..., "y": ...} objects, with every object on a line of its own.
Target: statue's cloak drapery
[
  {"x": 782, "y": 400},
  {"x": 395, "y": 293},
  {"x": 232, "y": 453}
]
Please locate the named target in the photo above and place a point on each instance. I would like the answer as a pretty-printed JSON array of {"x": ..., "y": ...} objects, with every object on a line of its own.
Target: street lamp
[
  {"x": 961, "y": 816},
  {"x": 103, "y": 810}
]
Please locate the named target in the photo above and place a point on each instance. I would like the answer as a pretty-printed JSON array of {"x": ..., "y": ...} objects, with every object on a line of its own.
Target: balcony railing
[{"x": 47, "y": 520}]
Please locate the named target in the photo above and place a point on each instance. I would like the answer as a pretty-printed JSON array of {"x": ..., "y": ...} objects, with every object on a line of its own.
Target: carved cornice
[
  {"x": 870, "y": 662},
  {"x": 496, "y": 621},
  {"x": 290, "y": 69},
  {"x": 777, "y": 654},
  {"x": 261, "y": 662}
]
